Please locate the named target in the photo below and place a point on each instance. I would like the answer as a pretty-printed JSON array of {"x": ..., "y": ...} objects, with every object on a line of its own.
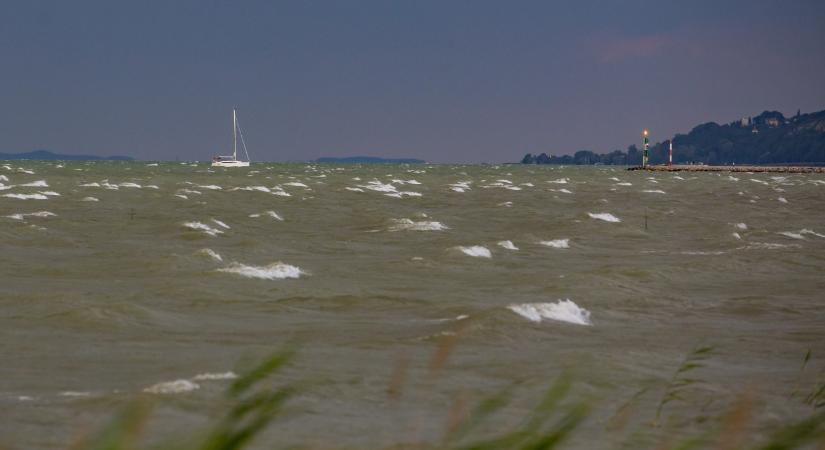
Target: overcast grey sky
[{"x": 446, "y": 81}]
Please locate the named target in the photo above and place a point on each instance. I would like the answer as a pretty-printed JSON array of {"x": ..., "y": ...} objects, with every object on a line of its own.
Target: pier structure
[{"x": 753, "y": 169}]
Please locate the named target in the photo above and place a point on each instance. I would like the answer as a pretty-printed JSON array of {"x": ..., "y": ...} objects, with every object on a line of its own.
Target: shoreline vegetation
[
  {"x": 255, "y": 401},
  {"x": 747, "y": 169},
  {"x": 767, "y": 139}
]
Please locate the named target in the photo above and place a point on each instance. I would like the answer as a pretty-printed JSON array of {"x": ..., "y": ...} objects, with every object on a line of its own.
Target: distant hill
[
  {"x": 47, "y": 155},
  {"x": 369, "y": 160},
  {"x": 769, "y": 138}
]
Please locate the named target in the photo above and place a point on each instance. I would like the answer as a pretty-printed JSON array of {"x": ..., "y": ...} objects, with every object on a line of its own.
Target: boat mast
[{"x": 234, "y": 135}]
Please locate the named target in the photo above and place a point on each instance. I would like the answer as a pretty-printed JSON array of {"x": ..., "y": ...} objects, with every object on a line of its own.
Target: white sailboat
[{"x": 232, "y": 161}]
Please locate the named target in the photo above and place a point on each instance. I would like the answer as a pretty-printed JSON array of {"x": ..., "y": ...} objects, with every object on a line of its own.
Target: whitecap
[
  {"x": 607, "y": 217},
  {"x": 563, "y": 311},
  {"x": 560, "y": 181},
  {"x": 208, "y": 376},
  {"x": 211, "y": 187},
  {"x": 654, "y": 191},
  {"x": 296, "y": 184},
  {"x": 556, "y": 243},
  {"x": 220, "y": 224},
  {"x": 89, "y": 199},
  {"x": 4, "y": 178},
  {"x": 507, "y": 244},
  {"x": 782, "y": 200},
  {"x": 807, "y": 231},
  {"x": 736, "y": 235},
  {"x": 26, "y": 196},
  {"x": 564, "y": 191},
  {"x": 792, "y": 235},
  {"x": 130, "y": 185},
  {"x": 198, "y": 226},
  {"x": 624, "y": 184},
  {"x": 354, "y": 189},
  {"x": 274, "y": 271},
  {"x": 210, "y": 253},
  {"x": 477, "y": 251},
  {"x": 741, "y": 226},
  {"x": 172, "y": 387},
  {"x": 182, "y": 196},
  {"x": 38, "y": 183},
  {"x": 75, "y": 394},
  {"x": 50, "y": 193},
  {"x": 506, "y": 204},
  {"x": 410, "y": 225},
  {"x": 90, "y": 185}
]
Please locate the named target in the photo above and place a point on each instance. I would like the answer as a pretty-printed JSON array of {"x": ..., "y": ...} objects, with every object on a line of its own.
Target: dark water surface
[{"x": 150, "y": 274}]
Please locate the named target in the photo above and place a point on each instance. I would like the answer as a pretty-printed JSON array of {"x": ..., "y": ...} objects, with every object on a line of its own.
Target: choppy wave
[
  {"x": 477, "y": 251},
  {"x": 27, "y": 196},
  {"x": 607, "y": 217},
  {"x": 274, "y": 271},
  {"x": 410, "y": 225},
  {"x": 556, "y": 243},
  {"x": 172, "y": 387},
  {"x": 198, "y": 226},
  {"x": 209, "y": 376},
  {"x": 507, "y": 244},
  {"x": 562, "y": 311},
  {"x": 210, "y": 253}
]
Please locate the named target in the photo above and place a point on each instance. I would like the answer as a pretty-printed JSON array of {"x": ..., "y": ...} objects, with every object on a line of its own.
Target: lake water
[{"x": 163, "y": 280}]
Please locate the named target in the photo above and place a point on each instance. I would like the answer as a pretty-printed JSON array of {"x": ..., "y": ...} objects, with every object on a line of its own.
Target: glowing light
[{"x": 645, "y": 132}]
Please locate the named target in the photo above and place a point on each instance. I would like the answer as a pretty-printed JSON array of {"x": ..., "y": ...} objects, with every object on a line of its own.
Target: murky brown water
[{"x": 108, "y": 289}]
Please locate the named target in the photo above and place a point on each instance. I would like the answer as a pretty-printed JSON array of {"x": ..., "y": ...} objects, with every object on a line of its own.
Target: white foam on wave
[
  {"x": 411, "y": 225},
  {"x": 560, "y": 181},
  {"x": 198, "y": 226},
  {"x": 807, "y": 231},
  {"x": 129, "y": 184},
  {"x": 564, "y": 191},
  {"x": 21, "y": 216},
  {"x": 624, "y": 184},
  {"x": 477, "y": 251},
  {"x": 792, "y": 235},
  {"x": 759, "y": 181},
  {"x": 75, "y": 394},
  {"x": 272, "y": 214},
  {"x": 402, "y": 194},
  {"x": 654, "y": 191},
  {"x": 556, "y": 243},
  {"x": 172, "y": 387},
  {"x": 50, "y": 193},
  {"x": 220, "y": 224},
  {"x": 741, "y": 226},
  {"x": 378, "y": 186},
  {"x": 89, "y": 199},
  {"x": 210, "y": 253},
  {"x": 211, "y": 187},
  {"x": 562, "y": 311},
  {"x": 782, "y": 200},
  {"x": 274, "y": 271},
  {"x": 296, "y": 184},
  {"x": 507, "y": 244},
  {"x": 506, "y": 204},
  {"x": 211, "y": 376},
  {"x": 92, "y": 184},
  {"x": 4, "y": 178},
  {"x": 607, "y": 217},
  {"x": 38, "y": 183},
  {"x": 26, "y": 196},
  {"x": 354, "y": 189},
  {"x": 736, "y": 235}
]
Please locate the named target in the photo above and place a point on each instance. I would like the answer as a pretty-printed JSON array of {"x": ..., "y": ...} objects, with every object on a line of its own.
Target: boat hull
[{"x": 230, "y": 163}]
